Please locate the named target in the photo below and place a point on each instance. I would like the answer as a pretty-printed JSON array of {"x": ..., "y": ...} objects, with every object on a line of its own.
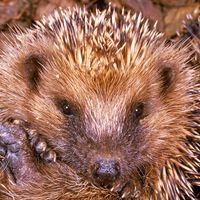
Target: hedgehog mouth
[
  {"x": 109, "y": 174},
  {"x": 126, "y": 189}
]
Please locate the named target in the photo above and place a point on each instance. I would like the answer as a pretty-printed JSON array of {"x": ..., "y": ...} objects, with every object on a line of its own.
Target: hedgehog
[{"x": 116, "y": 103}]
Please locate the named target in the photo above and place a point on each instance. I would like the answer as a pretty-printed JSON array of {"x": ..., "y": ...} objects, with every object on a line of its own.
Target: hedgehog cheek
[{"x": 31, "y": 70}]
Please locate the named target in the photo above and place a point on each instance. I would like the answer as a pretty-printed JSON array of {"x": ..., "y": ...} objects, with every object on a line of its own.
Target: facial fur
[{"x": 98, "y": 90}]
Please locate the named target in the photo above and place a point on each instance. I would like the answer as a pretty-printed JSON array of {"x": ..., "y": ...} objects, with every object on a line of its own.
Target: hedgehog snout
[{"x": 105, "y": 171}]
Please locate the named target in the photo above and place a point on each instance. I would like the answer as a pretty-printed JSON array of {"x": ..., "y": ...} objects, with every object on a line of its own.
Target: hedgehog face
[
  {"x": 111, "y": 127},
  {"x": 112, "y": 106}
]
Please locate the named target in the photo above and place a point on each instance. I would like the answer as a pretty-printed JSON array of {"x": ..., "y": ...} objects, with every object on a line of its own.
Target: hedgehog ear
[
  {"x": 32, "y": 68},
  {"x": 167, "y": 75}
]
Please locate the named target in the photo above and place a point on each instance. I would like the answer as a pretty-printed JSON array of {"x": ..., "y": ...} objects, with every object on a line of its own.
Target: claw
[
  {"x": 40, "y": 146},
  {"x": 117, "y": 188},
  {"x": 49, "y": 156},
  {"x": 31, "y": 133}
]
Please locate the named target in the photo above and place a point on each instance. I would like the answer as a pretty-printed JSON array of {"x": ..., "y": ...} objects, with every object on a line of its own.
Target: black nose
[{"x": 106, "y": 172}]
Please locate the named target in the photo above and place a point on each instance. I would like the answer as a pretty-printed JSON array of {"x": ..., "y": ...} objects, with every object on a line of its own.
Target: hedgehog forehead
[{"x": 108, "y": 86}]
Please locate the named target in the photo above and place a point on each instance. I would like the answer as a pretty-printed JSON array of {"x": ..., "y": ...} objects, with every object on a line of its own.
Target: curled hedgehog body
[{"x": 116, "y": 103}]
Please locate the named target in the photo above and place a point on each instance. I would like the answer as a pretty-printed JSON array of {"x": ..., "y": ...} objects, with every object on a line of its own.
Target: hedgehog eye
[
  {"x": 66, "y": 108},
  {"x": 138, "y": 111}
]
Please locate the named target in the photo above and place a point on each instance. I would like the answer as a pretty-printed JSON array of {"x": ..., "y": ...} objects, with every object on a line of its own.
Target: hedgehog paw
[
  {"x": 9, "y": 146},
  {"x": 40, "y": 146},
  {"x": 16, "y": 158}
]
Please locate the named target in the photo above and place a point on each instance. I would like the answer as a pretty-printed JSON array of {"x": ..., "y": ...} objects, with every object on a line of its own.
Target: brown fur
[{"x": 103, "y": 65}]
